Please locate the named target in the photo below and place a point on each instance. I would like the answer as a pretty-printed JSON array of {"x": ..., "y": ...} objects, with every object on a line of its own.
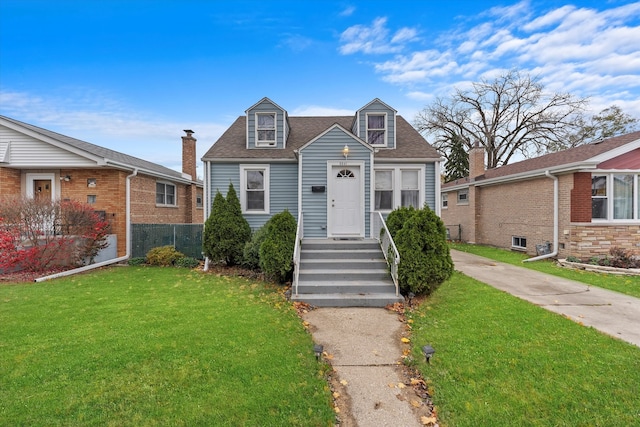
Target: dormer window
[
  {"x": 265, "y": 129},
  {"x": 376, "y": 129}
]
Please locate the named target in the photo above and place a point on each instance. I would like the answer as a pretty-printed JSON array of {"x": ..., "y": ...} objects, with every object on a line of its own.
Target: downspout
[
  {"x": 207, "y": 205},
  {"x": 109, "y": 261},
  {"x": 555, "y": 221}
]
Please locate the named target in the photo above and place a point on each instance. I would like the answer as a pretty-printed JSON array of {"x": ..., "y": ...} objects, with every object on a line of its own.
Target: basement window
[{"x": 518, "y": 243}]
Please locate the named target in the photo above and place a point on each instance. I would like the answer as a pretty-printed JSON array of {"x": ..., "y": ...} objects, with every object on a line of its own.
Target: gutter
[
  {"x": 555, "y": 221},
  {"x": 110, "y": 261}
]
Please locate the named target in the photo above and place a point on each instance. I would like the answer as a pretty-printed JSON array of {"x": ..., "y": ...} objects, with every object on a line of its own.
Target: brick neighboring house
[
  {"x": 579, "y": 202},
  {"x": 36, "y": 162}
]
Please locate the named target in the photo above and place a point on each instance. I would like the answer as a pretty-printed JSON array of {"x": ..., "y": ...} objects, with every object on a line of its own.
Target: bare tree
[{"x": 507, "y": 116}]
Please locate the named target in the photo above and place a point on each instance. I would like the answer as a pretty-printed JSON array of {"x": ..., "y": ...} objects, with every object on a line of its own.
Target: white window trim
[
  {"x": 458, "y": 193},
  {"x": 175, "y": 194},
  {"x": 243, "y": 186},
  {"x": 518, "y": 247},
  {"x": 444, "y": 200},
  {"x": 611, "y": 198},
  {"x": 266, "y": 144},
  {"x": 31, "y": 177},
  {"x": 386, "y": 129},
  {"x": 397, "y": 184}
]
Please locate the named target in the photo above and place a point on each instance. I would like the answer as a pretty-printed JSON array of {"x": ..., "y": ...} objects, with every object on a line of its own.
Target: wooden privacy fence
[{"x": 186, "y": 238}]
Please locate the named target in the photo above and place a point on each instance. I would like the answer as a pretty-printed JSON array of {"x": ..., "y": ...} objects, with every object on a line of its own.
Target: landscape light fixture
[
  {"x": 428, "y": 351},
  {"x": 345, "y": 151},
  {"x": 318, "y": 349}
]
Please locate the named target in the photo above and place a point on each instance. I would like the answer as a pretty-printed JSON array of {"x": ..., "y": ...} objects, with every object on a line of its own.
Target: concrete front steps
[{"x": 344, "y": 273}]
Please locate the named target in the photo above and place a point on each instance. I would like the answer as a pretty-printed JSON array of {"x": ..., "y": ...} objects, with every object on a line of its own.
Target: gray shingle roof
[
  {"x": 96, "y": 150},
  {"x": 558, "y": 159},
  {"x": 232, "y": 144}
]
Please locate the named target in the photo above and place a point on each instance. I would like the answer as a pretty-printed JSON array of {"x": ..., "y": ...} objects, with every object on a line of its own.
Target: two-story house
[{"x": 334, "y": 174}]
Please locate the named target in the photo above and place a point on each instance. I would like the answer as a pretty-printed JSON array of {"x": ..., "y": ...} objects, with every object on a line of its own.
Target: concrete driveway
[{"x": 610, "y": 312}]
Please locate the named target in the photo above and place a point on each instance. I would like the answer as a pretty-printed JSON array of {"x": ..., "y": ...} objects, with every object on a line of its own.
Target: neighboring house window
[
  {"x": 615, "y": 197},
  {"x": 384, "y": 190},
  {"x": 463, "y": 197},
  {"x": 410, "y": 192},
  {"x": 265, "y": 129},
  {"x": 518, "y": 242},
  {"x": 445, "y": 200},
  {"x": 165, "y": 194},
  {"x": 254, "y": 182},
  {"x": 91, "y": 199},
  {"x": 376, "y": 133},
  {"x": 399, "y": 186},
  {"x": 198, "y": 200}
]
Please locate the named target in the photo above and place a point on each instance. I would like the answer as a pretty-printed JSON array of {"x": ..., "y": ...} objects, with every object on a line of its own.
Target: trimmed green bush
[
  {"x": 163, "y": 256},
  {"x": 425, "y": 261},
  {"x": 397, "y": 218},
  {"x": 136, "y": 261},
  {"x": 187, "y": 262},
  {"x": 276, "y": 252},
  {"x": 226, "y": 231},
  {"x": 251, "y": 258}
]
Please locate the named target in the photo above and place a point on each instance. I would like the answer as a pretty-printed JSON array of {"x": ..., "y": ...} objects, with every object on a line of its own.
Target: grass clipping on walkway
[
  {"x": 501, "y": 361},
  {"x": 156, "y": 346}
]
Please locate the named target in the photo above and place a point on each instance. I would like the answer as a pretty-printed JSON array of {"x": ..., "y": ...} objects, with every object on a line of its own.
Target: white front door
[{"x": 344, "y": 203}]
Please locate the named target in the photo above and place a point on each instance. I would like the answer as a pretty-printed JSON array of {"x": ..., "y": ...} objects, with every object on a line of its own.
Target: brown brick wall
[
  {"x": 581, "y": 197},
  {"x": 458, "y": 217},
  {"x": 9, "y": 182},
  {"x": 145, "y": 211},
  {"x": 523, "y": 209},
  {"x": 109, "y": 192}
]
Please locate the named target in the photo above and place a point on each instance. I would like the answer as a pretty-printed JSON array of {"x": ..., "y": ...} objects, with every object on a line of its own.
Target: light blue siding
[
  {"x": 314, "y": 166},
  {"x": 283, "y": 188},
  {"x": 282, "y": 128},
  {"x": 430, "y": 196},
  {"x": 377, "y": 107}
]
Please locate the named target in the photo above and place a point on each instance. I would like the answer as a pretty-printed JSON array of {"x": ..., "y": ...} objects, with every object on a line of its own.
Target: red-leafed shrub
[{"x": 37, "y": 235}]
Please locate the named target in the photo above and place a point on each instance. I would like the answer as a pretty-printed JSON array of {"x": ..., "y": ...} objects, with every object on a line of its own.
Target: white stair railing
[
  {"x": 380, "y": 232},
  {"x": 296, "y": 253}
]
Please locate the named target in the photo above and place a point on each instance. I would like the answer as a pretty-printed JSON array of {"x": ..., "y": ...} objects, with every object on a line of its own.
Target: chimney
[
  {"x": 476, "y": 161},
  {"x": 189, "y": 154}
]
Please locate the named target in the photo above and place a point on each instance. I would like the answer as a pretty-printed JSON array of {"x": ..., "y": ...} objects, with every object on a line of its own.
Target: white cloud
[
  {"x": 375, "y": 39},
  {"x": 151, "y": 138},
  {"x": 347, "y": 11}
]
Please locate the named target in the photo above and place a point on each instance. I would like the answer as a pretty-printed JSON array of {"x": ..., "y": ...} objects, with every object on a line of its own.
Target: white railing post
[
  {"x": 381, "y": 233},
  {"x": 296, "y": 253}
]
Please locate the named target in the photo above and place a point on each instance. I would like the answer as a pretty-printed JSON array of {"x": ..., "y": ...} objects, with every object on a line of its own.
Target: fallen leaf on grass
[
  {"x": 336, "y": 409},
  {"x": 416, "y": 381},
  {"x": 405, "y": 340},
  {"x": 401, "y": 385},
  {"x": 416, "y": 403},
  {"x": 428, "y": 420},
  {"x": 336, "y": 395}
]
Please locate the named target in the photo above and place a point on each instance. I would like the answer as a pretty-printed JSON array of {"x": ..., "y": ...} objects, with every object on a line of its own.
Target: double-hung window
[
  {"x": 376, "y": 129},
  {"x": 384, "y": 190},
  {"x": 445, "y": 200},
  {"x": 615, "y": 196},
  {"x": 165, "y": 194},
  {"x": 463, "y": 196},
  {"x": 265, "y": 129},
  {"x": 398, "y": 186},
  {"x": 254, "y": 184}
]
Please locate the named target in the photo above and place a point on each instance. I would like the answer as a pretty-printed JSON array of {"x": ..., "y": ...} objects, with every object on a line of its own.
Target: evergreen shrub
[
  {"x": 251, "y": 258},
  {"x": 425, "y": 260},
  {"x": 276, "y": 251}
]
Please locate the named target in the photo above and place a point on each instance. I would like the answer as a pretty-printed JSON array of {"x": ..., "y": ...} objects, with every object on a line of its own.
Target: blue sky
[{"x": 130, "y": 75}]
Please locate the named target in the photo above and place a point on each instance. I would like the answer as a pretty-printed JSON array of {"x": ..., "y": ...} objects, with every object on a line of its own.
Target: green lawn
[
  {"x": 629, "y": 285},
  {"x": 501, "y": 361},
  {"x": 156, "y": 346}
]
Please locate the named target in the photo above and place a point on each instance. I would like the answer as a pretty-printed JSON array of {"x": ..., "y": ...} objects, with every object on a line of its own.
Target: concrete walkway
[
  {"x": 365, "y": 348},
  {"x": 610, "y": 312}
]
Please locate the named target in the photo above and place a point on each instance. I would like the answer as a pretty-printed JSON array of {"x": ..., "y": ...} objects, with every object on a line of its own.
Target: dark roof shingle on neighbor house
[
  {"x": 232, "y": 144},
  {"x": 105, "y": 153},
  {"x": 571, "y": 156}
]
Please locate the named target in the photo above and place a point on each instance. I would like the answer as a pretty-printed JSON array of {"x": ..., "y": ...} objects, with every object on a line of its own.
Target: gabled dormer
[
  {"x": 376, "y": 124},
  {"x": 267, "y": 125}
]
